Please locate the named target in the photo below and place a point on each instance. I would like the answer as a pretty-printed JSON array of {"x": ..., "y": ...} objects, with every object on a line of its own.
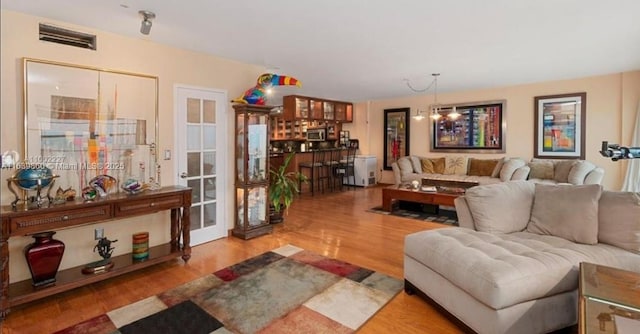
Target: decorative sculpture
[
  {"x": 256, "y": 94},
  {"x": 105, "y": 249}
]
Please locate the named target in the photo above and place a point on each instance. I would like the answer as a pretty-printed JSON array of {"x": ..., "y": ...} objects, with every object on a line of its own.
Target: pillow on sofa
[
  {"x": 566, "y": 211},
  {"x": 561, "y": 170},
  {"x": 490, "y": 212},
  {"x": 455, "y": 165},
  {"x": 541, "y": 169},
  {"x": 619, "y": 220},
  {"x": 438, "y": 165},
  {"x": 579, "y": 171},
  {"x": 406, "y": 168},
  {"x": 498, "y": 168},
  {"x": 482, "y": 167},
  {"x": 415, "y": 163},
  {"x": 509, "y": 168},
  {"x": 427, "y": 166}
]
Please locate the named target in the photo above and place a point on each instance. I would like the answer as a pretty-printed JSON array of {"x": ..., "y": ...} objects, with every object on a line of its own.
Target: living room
[{"x": 612, "y": 102}]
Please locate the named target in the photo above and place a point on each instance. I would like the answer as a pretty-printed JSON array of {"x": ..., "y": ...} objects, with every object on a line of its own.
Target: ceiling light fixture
[
  {"x": 435, "y": 107},
  {"x": 147, "y": 16}
]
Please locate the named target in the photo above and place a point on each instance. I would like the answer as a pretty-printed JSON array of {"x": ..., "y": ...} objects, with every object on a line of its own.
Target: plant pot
[
  {"x": 275, "y": 217},
  {"x": 44, "y": 257}
]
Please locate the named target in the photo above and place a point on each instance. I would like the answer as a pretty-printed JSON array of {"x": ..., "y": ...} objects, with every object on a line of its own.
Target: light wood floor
[{"x": 332, "y": 224}]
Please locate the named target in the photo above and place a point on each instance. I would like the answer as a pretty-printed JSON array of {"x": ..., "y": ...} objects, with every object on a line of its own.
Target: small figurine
[{"x": 104, "y": 249}]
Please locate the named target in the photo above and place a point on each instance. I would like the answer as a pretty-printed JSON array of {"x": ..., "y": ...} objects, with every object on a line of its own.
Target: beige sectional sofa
[
  {"x": 512, "y": 266},
  {"x": 459, "y": 168},
  {"x": 554, "y": 171}
]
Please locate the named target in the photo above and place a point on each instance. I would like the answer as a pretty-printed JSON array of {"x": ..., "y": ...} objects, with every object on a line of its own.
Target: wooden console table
[{"x": 21, "y": 222}]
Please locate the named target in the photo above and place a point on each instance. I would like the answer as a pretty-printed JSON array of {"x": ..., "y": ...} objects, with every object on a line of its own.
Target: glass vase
[{"x": 43, "y": 257}]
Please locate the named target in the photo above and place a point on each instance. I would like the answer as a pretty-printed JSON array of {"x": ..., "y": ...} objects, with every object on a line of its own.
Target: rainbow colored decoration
[{"x": 256, "y": 94}]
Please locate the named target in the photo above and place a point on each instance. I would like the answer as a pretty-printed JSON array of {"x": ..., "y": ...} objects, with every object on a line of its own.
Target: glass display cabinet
[{"x": 252, "y": 171}]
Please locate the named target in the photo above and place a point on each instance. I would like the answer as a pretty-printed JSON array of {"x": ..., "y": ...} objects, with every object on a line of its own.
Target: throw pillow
[
  {"x": 438, "y": 165},
  {"x": 541, "y": 169},
  {"x": 566, "y": 211},
  {"x": 579, "y": 171},
  {"x": 406, "y": 168},
  {"x": 427, "y": 166},
  {"x": 415, "y": 162},
  {"x": 501, "y": 207},
  {"x": 482, "y": 167},
  {"x": 561, "y": 170},
  {"x": 619, "y": 220},
  {"x": 455, "y": 165},
  {"x": 498, "y": 168},
  {"x": 509, "y": 168}
]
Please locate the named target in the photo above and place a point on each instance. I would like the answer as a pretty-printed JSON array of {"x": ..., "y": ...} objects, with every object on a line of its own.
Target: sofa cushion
[
  {"x": 455, "y": 165},
  {"x": 489, "y": 213},
  {"x": 561, "y": 170},
  {"x": 508, "y": 269},
  {"x": 509, "y": 168},
  {"x": 406, "y": 168},
  {"x": 566, "y": 211},
  {"x": 482, "y": 167},
  {"x": 427, "y": 166},
  {"x": 541, "y": 169},
  {"x": 438, "y": 165},
  {"x": 415, "y": 163},
  {"x": 498, "y": 167},
  {"x": 579, "y": 172},
  {"x": 619, "y": 220}
]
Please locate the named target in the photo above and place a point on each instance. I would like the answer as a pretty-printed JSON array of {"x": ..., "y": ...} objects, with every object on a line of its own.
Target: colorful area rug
[
  {"x": 287, "y": 290},
  {"x": 444, "y": 217}
]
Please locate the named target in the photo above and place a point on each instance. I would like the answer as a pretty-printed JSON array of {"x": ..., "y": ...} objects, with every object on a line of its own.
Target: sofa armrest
[
  {"x": 396, "y": 173},
  {"x": 521, "y": 173},
  {"x": 595, "y": 176},
  {"x": 465, "y": 219}
]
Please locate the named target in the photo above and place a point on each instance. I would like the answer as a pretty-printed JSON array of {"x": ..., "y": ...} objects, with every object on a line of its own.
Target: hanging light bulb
[
  {"x": 454, "y": 114},
  {"x": 435, "y": 109}
]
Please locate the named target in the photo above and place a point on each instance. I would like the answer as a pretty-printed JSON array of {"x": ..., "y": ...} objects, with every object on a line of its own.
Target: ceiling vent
[{"x": 58, "y": 35}]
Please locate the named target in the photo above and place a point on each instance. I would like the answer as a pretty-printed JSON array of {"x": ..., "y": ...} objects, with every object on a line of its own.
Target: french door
[{"x": 200, "y": 157}]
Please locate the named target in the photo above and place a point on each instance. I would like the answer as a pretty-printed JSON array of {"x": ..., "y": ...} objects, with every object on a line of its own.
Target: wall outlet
[
  {"x": 167, "y": 154},
  {"x": 98, "y": 233}
]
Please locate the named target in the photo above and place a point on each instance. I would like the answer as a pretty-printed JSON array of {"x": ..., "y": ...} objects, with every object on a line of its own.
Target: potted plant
[{"x": 283, "y": 187}]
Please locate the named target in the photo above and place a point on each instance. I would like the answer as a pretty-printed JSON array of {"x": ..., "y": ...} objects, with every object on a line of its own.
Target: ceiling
[{"x": 363, "y": 49}]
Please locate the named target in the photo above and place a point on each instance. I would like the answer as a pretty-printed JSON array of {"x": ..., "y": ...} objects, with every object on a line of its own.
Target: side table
[{"x": 609, "y": 300}]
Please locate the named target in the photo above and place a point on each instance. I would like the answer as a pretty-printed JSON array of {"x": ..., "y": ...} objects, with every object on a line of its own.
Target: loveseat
[
  {"x": 459, "y": 168},
  {"x": 512, "y": 265}
]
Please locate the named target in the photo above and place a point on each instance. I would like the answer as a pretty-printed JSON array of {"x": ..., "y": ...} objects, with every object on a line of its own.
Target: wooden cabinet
[
  {"x": 316, "y": 109},
  {"x": 252, "y": 171},
  {"x": 344, "y": 112},
  {"x": 20, "y": 222}
]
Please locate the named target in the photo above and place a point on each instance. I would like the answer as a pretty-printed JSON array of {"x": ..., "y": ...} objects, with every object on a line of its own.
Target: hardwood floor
[{"x": 332, "y": 224}]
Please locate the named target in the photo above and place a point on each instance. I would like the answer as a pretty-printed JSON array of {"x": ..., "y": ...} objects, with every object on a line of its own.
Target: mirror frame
[{"x": 125, "y": 132}]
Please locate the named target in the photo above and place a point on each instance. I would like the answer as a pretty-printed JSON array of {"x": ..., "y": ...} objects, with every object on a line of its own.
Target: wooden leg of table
[
  {"x": 386, "y": 202},
  {"x": 186, "y": 233},
  {"x": 4, "y": 275}
]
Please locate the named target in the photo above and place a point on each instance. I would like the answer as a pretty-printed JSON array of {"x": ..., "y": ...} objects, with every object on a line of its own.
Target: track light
[{"x": 147, "y": 16}]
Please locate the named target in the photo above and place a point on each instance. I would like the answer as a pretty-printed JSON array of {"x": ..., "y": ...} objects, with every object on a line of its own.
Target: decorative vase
[
  {"x": 44, "y": 257},
  {"x": 140, "y": 246}
]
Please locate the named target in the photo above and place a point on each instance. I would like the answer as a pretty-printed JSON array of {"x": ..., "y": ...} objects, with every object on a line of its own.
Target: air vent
[{"x": 67, "y": 37}]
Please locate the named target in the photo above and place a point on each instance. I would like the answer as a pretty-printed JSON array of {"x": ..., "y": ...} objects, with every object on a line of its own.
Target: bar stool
[
  {"x": 346, "y": 166},
  {"x": 315, "y": 167},
  {"x": 333, "y": 162}
]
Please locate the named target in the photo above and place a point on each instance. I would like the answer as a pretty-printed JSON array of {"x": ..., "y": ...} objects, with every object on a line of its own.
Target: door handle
[{"x": 183, "y": 175}]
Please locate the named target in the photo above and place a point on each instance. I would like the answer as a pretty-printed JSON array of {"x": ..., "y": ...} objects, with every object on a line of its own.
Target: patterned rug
[
  {"x": 417, "y": 211},
  {"x": 286, "y": 290}
]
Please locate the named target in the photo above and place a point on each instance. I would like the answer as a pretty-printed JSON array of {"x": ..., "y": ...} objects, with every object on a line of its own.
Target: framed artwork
[
  {"x": 477, "y": 127},
  {"x": 396, "y": 135},
  {"x": 560, "y": 122}
]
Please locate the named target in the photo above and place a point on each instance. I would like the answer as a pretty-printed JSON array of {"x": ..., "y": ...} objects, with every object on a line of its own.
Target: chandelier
[{"x": 436, "y": 108}]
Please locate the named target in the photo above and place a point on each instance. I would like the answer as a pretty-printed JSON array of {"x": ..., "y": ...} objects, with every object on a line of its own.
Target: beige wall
[
  {"x": 19, "y": 37},
  {"x": 612, "y": 101}
]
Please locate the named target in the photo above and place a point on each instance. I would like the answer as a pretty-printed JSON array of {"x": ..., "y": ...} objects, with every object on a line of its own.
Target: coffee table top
[
  {"x": 454, "y": 191},
  {"x": 610, "y": 284}
]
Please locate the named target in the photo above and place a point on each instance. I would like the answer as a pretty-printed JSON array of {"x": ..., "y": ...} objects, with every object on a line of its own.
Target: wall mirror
[{"x": 83, "y": 122}]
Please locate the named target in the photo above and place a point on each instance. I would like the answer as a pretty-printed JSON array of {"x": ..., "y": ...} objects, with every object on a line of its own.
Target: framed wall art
[
  {"x": 396, "y": 135},
  {"x": 477, "y": 127},
  {"x": 560, "y": 122}
]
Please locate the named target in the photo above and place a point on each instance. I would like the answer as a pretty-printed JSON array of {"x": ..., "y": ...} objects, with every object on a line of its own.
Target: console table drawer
[
  {"x": 148, "y": 205},
  {"x": 36, "y": 222}
]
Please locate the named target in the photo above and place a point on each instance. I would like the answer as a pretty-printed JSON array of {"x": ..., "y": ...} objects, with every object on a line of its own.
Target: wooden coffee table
[
  {"x": 395, "y": 192},
  {"x": 609, "y": 300}
]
